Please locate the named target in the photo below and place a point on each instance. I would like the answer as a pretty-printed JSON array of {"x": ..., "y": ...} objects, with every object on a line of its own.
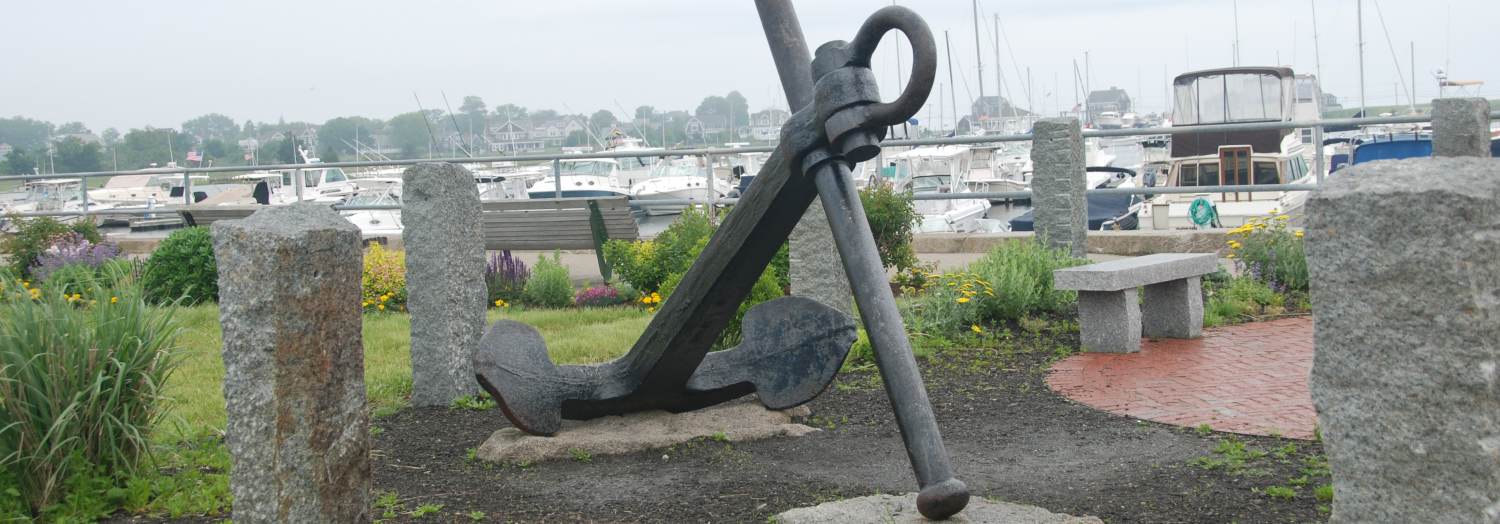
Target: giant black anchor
[{"x": 792, "y": 346}]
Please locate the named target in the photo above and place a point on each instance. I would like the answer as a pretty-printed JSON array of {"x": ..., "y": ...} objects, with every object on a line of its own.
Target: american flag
[
  {"x": 247, "y": 157},
  {"x": 194, "y": 156}
]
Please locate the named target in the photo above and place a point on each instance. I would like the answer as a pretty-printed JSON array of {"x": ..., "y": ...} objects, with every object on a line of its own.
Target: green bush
[
  {"x": 549, "y": 285},
  {"x": 183, "y": 267},
  {"x": 81, "y": 377},
  {"x": 890, "y": 215},
  {"x": 1271, "y": 252},
  {"x": 34, "y": 235},
  {"x": 1012, "y": 280}
]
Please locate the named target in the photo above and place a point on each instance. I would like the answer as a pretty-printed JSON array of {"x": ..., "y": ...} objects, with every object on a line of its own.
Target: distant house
[
  {"x": 513, "y": 136},
  {"x": 309, "y": 136},
  {"x": 765, "y": 124},
  {"x": 249, "y": 143},
  {"x": 1112, "y": 99},
  {"x": 5, "y": 149},
  {"x": 997, "y": 116},
  {"x": 555, "y": 132},
  {"x": 1331, "y": 103},
  {"x": 705, "y": 125}
]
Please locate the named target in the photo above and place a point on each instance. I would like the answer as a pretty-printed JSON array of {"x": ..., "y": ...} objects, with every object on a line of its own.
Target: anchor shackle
[{"x": 847, "y": 96}]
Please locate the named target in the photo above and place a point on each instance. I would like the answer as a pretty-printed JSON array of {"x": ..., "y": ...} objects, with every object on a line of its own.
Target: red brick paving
[{"x": 1250, "y": 379}]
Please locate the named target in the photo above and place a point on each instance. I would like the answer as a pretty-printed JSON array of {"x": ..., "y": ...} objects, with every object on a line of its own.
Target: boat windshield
[
  {"x": 677, "y": 169},
  {"x": 586, "y": 168},
  {"x": 371, "y": 199},
  {"x": 1234, "y": 97},
  {"x": 929, "y": 184}
]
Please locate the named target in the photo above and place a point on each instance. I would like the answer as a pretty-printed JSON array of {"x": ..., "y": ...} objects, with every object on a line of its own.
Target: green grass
[{"x": 574, "y": 336}]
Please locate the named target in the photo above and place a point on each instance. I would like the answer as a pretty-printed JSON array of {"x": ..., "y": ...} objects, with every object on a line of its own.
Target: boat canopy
[{"x": 1238, "y": 94}]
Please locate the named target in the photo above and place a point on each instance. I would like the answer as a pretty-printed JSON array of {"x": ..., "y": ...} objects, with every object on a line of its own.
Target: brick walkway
[{"x": 1250, "y": 379}]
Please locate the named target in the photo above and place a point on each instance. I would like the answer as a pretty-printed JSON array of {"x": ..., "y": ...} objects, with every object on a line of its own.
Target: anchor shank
[
  {"x": 877, "y": 308},
  {"x": 788, "y": 49}
]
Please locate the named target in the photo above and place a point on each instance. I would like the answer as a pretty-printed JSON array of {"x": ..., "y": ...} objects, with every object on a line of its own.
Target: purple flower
[
  {"x": 68, "y": 249},
  {"x": 506, "y": 268},
  {"x": 598, "y": 297}
]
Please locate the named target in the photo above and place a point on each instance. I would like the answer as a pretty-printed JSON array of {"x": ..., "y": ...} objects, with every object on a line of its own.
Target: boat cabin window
[
  {"x": 1198, "y": 175},
  {"x": 1236, "y": 97},
  {"x": 335, "y": 175},
  {"x": 929, "y": 184},
  {"x": 585, "y": 168},
  {"x": 1266, "y": 173}
]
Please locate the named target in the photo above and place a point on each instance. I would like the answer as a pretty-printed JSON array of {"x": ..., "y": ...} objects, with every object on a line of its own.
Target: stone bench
[{"x": 1109, "y": 317}]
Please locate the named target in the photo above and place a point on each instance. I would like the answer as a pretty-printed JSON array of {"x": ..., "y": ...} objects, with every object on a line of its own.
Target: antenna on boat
[
  {"x": 978, "y": 55},
  {"x": 1409, "y": 100},
  {"x": 1359, "y": 17},
  {"x": 1317, "y": 55},
  {"x": 455, "y": 123},
  {"x": 952, "y": 95}
]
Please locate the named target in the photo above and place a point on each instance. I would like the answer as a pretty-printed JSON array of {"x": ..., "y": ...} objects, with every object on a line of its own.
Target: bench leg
[
  {"x": 1174, "y": 309},
  {"x": 1110, "y": 321}
]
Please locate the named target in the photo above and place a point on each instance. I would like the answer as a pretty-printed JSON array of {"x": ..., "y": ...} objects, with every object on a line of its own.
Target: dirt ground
[{"x": 1010, "y": 438}]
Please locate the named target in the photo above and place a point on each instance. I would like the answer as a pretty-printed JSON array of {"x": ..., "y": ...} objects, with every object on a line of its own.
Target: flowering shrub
[
  {"x": 1012, "y": 281},
  {"x": 72, "y": 249},
  {"x": 35, "y": 235},
  {"x": 505, "y": 278},
  {"x": 384, "y": 280},
  {"x": 183, "y": 267},
  {"x": 649, "y": 301},
  {"x": 1270, "y": 252},
  {"x": 549, "y": 285},
  {"x": 598, "y": 297}
]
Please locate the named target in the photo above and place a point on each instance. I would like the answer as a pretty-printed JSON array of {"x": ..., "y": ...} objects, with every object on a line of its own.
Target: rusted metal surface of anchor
[{"x": 792, "y": 346}]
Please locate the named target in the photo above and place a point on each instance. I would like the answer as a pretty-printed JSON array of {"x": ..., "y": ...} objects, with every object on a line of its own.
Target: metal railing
[{"x": 1317, "y": 126}]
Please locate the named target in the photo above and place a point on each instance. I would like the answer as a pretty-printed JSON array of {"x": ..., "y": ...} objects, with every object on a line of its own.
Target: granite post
[
  {"x": 1404, "y": 371},
  {"x": 1110, "y": 321},
  {"x": 816, "y": 270},
  {"x": 298, "y": 429},
  {"x": 1461, "y": 127},
  {"x": 1058, "y": 182},
  {"x": 445, "y": 287}
]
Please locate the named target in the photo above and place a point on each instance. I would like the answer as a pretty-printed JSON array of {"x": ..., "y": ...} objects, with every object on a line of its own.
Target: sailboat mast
[
  {"x": 999, "y": 78},
  {"x": 952, "y": 95},
  {"x": 1359, "y": 15},
  {"x": 978, "y": 55}
]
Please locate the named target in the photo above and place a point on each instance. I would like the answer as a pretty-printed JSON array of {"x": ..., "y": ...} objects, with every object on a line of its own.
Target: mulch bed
[{"x": 1010, "y": 438}]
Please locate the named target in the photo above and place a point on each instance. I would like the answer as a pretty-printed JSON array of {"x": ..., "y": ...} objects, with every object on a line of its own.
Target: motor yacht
[
  {"x": 375, "y": 223},
  {"x": 133, "y": 190},
  {"x": 940, "y": 169},
  {"x": 678, "y": 179},
  {"x": 582, "y": 177}
]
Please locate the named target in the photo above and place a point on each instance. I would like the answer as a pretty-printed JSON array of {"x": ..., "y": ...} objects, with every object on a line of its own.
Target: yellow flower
[
  {"x": 499, "y": 303},
  {"x": 963, "y": 300},
  {"x": 383, "y": 297},
  {"x": 364, "y": 304},
  {"x": 1283, "y": 217},
  {"x": 76, "y": 295},
  {"x": 989, "y": 293},
  {"x": 650, "y": 309},
  {"x": 1274, "y": 211},
  {"x": 952, "y": 284},
  {"x": 382, "y": 306},
  {"x": 1231, "y": 242},
  {"x": 112, "y": 300},
  {"x": 25, "y": 283},
  {"x": 1231, "y": 256},
  {"x": 976, "y": 329},
  {"x": 1299, "y": 233}
]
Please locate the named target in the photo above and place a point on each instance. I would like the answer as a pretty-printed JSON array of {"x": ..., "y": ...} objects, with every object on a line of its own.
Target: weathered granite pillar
[
  {"x": 1058, "y": 182},
  {"x": 445, "y": 290},
  {"x": 294, "y": 370},
  {"x": 1405, "y": 268},
  {"x": 816, "y": 270},
  {"x": 1461, "y": 127}
]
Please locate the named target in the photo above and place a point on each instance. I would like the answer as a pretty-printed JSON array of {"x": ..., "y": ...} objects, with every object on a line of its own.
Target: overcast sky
[{"x": 138, "y": 63}]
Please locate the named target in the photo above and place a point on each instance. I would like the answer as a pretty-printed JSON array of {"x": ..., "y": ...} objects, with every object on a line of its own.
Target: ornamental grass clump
[
  {"x": 505, "y": 277},
  {"x": 549, "y": 285},
  {"x": 383, "y": 282},
  {"x": 81, "y": 378},
  {"x": 183, "y": 268}
]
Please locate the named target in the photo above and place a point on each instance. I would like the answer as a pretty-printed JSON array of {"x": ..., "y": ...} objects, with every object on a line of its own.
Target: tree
[
  {"x": 544, "y": 114},
  {"x": 472, "y": 105},
  {"x": 409, "y": 131},
  {"x": 76, "y": 156},
  {"x": 644, "y": 112},
  {"x": 212, "y": 125},
  {"x": 328, "y": 154},
  {"x": 341, "y": 132},
  {"x": 110, "y": 136},
  {"x": 732, "y": 107},
  {"x": 249, "y": 129},
  {"x": 17, "y": 162},
  {"x": 739, "y": 109},
  {"x": 288, "y": 150},
  {"x": 143, "y": 147},
  {"x": 509, "y": 112},
  {"x": 73, "y": 128},
  {"x": 602, "y": 119},
  {"x": 25, "y": 132},
  {"x": 578, "y": 138}
]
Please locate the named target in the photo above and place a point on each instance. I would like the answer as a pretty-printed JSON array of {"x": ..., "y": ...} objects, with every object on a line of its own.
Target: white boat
[
  {"x": 1005, "y": 166},
  {"x": 319, "y": 185},
  {"x": 940, "y": 169},
  {"x": 678, "y": 179},
  {"x": 1232, "y": 95},
  {"x": 1128, "y": 120},
  {"x": 375, "y": 223},
  {"x": 582, "y": 177},
  {"x": 53, "y": 195},
  {"x": 633, "y": 170},
  {"x": 1108, "y": 120},
  {"x": 141, "y": 189}
]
